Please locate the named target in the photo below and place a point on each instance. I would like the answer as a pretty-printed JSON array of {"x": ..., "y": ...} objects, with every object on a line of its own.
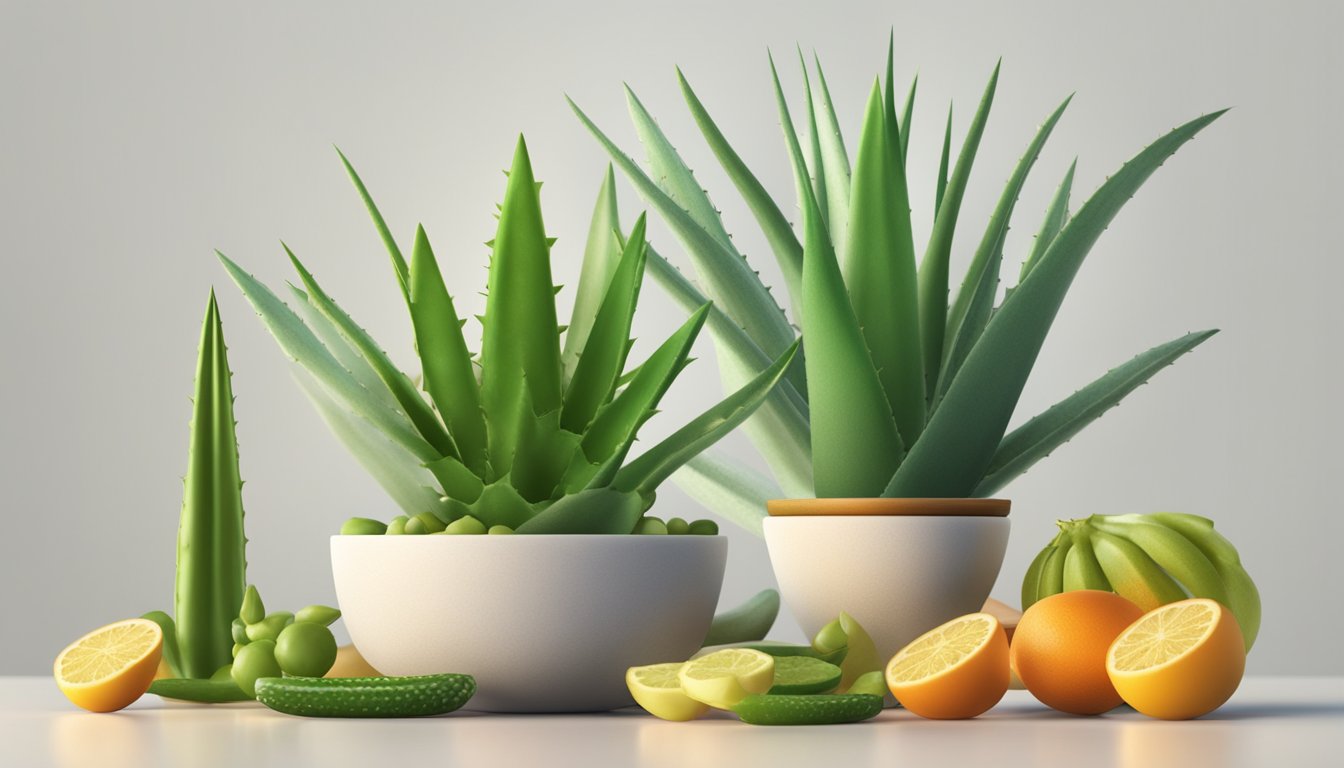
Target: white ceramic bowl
[
  {"x": 899, "y": 576},
  {"x": 544, "y": 623}
]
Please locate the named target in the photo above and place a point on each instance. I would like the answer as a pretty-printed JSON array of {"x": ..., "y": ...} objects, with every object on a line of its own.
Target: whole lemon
[{"x": 1059, "y": 649}]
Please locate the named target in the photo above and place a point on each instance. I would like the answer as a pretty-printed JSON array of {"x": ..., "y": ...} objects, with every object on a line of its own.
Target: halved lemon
[
  {"x": 724, "y": 678},
  {"x": 112, "y": 666},
  {"x": 954, "y": 671},
  {"x": 657, "y": 689},
  {"x": 1179, "y": 661}
]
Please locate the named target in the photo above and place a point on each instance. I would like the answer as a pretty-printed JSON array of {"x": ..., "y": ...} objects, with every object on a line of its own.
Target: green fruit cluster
[
  {"x": 269, "y": 645},
  {"x": 1150, "y": 560}
]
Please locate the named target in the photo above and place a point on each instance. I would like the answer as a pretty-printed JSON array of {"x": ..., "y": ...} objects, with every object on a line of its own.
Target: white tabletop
[{"x": 1281, "y": 722}]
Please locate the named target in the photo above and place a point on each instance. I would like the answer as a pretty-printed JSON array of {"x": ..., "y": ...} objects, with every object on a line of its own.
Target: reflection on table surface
[{"x": 1271, "y": 721}]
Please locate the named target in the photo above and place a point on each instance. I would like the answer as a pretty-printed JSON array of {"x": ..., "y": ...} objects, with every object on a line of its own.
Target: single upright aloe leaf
[
  {"x": 778, "y": 233},
  {"x": 835, "y": 161},
  {"x": 520, "y": 347},
  {"x": 1037, "y": 438},
  {"x": 341, "y": 349},
  {"x": 646, "y": 473},
  {"x": 398, "y": 261},
  {"x": 600, "y": 255},
  {"x": 445, "y": 360},
  {"x": 880, "y": 271},
  {"x": 907, "y": 117},
  {"x": 1055, "y": 217},
  {"x": 603, "y": 359},
  {"x": 933, "y": 269},
  {"x": 815, "y": 163},
  {"x": 392, "y": 379},
  {"x": 942, "y": 164},
  {"x": 211, "y": 547},
  {"x": 969, "y": 316},
  {"x": 961, "y": 439}
]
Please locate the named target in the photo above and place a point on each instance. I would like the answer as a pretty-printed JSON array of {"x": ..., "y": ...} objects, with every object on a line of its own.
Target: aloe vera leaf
[
  {"x": 336, "y": 343},
  {"x": 835, "y": 161},
  {"x": 880, "y": 271},
  {"x": 1040, "y": 436},
  {"x": 1056, "y": 214},
  {"x": 501, "y": 504},
  {"x": 960, "y": 441},
  {"x": 445, "y": 360},
  {"x": 599, "y": 367},
  {"x": 728, "y": 488},
  {"x": 729, "y": 279},
  {"x": 211, "y": 546},
  {"x": 933, "y": 270},
  {"x": 299, "y": 343},
  {"x": 398, "y": 261},
  {"x": 982, "y": 276},
  {"x": 815, "y": 162},
  {"x": 596, "y": 510},
  {"x": 393, "y": 381},
  {"x": 801, "y": 179},
  {"x": 544, "y": 452},
  {"x": 601, "y": 253},
  {"x": 171, "y": 656},
  {"x": 614, "y": 429},
  {"x": 779, "y": 428},
  {"x": 457, "y": 481},
  {"x": 907, "y": 117},
  {"x": 749, "y": 621},
  {"x": 646, "y": 473},
  {"x": 778, "y": 233},
  {"x": 941, "y": 189},
  {"x": 520, "y": 347}
]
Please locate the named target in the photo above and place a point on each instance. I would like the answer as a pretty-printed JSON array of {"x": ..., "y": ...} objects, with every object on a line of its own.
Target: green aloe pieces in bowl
[
  {"x": 530, "y": 432},
  {"x": 904, "y": 393}
]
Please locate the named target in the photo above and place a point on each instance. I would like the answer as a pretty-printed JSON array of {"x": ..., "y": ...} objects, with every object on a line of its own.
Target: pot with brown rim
[{"x": 898, "y": 566}]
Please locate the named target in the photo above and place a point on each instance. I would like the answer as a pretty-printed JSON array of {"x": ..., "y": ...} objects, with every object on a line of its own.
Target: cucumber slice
[
  {"x": 801, "y": 675},
  {"x": 366, "y": 696},
  {"x": 827, "y": 709}
]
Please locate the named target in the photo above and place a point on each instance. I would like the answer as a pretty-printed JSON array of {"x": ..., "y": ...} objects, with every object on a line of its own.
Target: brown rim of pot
[{"x": 888, "y": 507}]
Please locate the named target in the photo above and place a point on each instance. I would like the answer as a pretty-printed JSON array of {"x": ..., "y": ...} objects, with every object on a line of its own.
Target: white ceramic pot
[
  {"x": 544, "y": 623},
  {"x": 899, "y": 575}
]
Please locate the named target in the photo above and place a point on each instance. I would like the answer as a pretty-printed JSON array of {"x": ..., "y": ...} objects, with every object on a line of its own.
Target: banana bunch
[{"x": 1150, "y": 560}]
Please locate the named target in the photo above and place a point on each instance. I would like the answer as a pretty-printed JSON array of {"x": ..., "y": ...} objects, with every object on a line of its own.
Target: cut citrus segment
[
  {"x": 112, "y": 666},
  {"x": 1179, "y": 661},
  {"x": 724, "y": 678},
  {"x": 801, "y": 675},
  {"x": 657, "y": 689},
  {"x": 957, "y": 670}
]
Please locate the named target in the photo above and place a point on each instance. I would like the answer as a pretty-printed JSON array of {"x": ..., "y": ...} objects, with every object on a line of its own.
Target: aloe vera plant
[
  {"x": 905, "y": 394},
  {"x": 526, "y": 436}
]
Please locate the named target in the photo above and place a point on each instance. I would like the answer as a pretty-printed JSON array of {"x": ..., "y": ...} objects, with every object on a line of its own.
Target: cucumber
[
  {"x": 826, "y": 709},
  {"x": 366, "y": 696},
  {"x": 795, "y": 675},
  {"x": 200, "y": 691}
]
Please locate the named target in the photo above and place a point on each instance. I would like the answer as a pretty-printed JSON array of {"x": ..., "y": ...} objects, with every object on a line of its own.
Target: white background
[{"x": 136, "y": 137}]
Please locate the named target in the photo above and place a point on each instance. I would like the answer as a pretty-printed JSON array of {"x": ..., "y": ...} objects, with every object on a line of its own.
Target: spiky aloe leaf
[
  {"x": 961, "y": 439},
  {"x": 941, "y": 189},
  {"x": 545, "y": 451},
  {"x": 815, "y": 164},
  {"x": 340, "y": 348},
  {"x": 907, "y": 118},
  {"x": 1056, "y": 214},
  {"x": 788, "y": 251},
  {"x": 501, "y": 504},
  {"x": 597, "y": 510},
  {"x": 646, "y": 473},
  {"x": 1036, "y": 439},
  {"x": 835, "y": 161},
  {"x": 880, "y": 270},
  {"x": 968, "y": 317},
  {"x": 445, "y": 360},
  {"x": 211, "y": 546},
  {"x": 393, "y": 252},
  {"x": 520, "y": 346},
  {"x": 601, "y": 253},
  {"x": 933, "y": 269},
  {"x": 392, "y": 380},
  {"x": 732, "y": 490},
  {"x": 603, "y": 359}
]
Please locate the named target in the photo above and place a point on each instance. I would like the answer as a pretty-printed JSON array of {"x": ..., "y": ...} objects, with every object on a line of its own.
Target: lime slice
[
  {"x": 778, "y": 649},
  {"x": 826, "y": 709},
  {"x": 725, "y": 677},
  {"x": 804, "y": 675},
  {"x": 657, "y": 689}
]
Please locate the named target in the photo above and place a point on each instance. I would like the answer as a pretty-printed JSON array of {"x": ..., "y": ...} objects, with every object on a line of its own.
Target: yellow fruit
[
  {"x": 1059, "y": 649},
  {"x": 1179, "y": 661},
  {"x": 110, "y": 667},
  {"x": 955, "y": 671},
  {"x": 724, "y": 678},
  {"x": 657, "y": 689},
  {"x": 349, "y": 663}
]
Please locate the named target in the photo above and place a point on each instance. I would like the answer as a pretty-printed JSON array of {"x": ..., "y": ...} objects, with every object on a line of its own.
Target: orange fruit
[
  {"x": 112, "y": 666},
  {"x": 1059, "y": 649},
  {"x": 954, "y": 671},
  {"x": 1179, "y": 661}
]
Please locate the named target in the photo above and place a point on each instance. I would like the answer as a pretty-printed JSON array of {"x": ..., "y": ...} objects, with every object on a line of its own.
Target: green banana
[
  {"x": 1033, "y": 576},
  {"x": 1081, "y": 569},
  {"x": 1242, "y": 595},
  {"x": 1132, "y": 573},
  {"x": 1175, "y": 553},
  {"x": 1051, "y": 581}
]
